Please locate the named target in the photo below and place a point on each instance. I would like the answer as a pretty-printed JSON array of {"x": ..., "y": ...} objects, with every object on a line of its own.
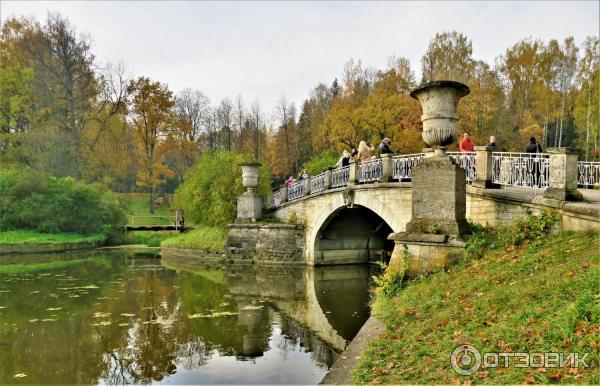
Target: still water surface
[{"x": 110, "y": 318}]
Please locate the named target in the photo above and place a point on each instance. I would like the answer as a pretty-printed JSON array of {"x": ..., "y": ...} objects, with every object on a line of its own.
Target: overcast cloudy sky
[{"x": 264, "y": 50}]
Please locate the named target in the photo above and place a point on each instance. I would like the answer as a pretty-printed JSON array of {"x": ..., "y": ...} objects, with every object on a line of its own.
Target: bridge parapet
[{"x": 483, "y": 168}]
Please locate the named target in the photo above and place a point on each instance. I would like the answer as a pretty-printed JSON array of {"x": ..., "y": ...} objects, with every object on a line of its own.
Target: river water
[{"x": 107, "y": 317}]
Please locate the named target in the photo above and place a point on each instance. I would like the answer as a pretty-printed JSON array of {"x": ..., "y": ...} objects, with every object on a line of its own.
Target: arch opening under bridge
[{"x": 353, "y": 235}]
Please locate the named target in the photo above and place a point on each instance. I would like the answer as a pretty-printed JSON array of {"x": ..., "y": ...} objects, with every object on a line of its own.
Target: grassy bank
[
  {"x": 539, "y": 296},
  {"x": 24, "y": 236},
  {"x": 204, "y": 237}
]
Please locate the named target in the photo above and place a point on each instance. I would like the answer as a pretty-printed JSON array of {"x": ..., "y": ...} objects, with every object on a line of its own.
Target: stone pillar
[
  {"x": 284, "y": 194},
  {"x": 306, "y": 183},
  {"x": 387, "y": 166},
  {"x": 249, "y": 204},
  {"x": 353, "y": 173},
  {"x": 484, "y": 168},
  {"x": 562, "y": 184},
  {"x": 328, "y": 179}
]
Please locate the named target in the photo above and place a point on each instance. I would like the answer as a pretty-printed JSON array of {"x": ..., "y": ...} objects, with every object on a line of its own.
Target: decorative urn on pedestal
[
  {"x": 433, "y": 234},
  {"x": 249, "y": 204},
  {"x": 439, "y": 101}
]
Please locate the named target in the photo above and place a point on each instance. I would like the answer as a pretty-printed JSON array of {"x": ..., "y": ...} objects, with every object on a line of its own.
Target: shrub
[
  {"x": 321, "y": 162},
  {"x": 530, "y": 228},
  {"x": 390, "y": 282},
  {"x": 40, "y": 202},
  {"x": 210, "y": 188}
]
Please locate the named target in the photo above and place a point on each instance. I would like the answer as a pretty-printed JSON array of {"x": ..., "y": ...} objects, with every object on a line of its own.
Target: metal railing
[
  {"x": 317, "y": 183},
  {"x": 521, "y": 169},
  {"x": 402, "y": 165},
  {"x": 466, "y": 160},
  {"x": 155, "y": 220},
  {"x": 589, "y": 174},
  {"x": 531, "y": 170},
  {"x": 340, "y": 176},
  {"x": 296, "y": 190},
  {"x": 370, "y": 171}
]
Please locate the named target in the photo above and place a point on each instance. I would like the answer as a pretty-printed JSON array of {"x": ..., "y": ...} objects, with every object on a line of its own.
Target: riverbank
[
  {"x": 538, "y": 297},
  {"x": 204, "y": 238},
  {"x": 28, "y": 241}
]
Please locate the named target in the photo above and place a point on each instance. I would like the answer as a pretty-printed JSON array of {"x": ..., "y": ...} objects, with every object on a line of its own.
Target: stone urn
[
  {"x": 439, "y": 100},
  {"x": 250, "y": 175}
]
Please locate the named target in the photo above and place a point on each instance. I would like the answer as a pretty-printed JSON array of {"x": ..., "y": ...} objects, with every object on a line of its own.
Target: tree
[
  {"x": 150, "y": 115},
  {"x": 589, "y": 90},
  {"x": 448, "y": 57}
]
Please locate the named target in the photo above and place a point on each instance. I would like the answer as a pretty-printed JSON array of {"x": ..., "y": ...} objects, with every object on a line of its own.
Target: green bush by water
[
  {"x": 211, "y": 187},
  {"x": 47, "y": 204}
]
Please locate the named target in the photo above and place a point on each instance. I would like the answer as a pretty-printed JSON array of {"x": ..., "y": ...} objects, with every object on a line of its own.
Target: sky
[{"x": 266, "y": 50}]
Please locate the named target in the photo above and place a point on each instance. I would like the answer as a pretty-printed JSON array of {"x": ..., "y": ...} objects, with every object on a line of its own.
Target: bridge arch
[{"x": 352, "y": 233}]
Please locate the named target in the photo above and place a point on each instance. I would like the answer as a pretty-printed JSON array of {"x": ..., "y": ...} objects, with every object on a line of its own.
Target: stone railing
[
  {"x": 589, "y": 174},
  {"x": 530, "y": 170},
  {"x": 484, "y": 168},
  {"x": 402, "y": 165},
  {"x": 467, "y": 160},
  {"x": 370, "y": 171},
  {"x": 339, "y": 176}
]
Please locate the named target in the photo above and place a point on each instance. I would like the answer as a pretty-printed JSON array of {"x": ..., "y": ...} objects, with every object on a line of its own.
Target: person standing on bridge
[
  {"x": 344, "y": 160},
  {"x": 384, "y": 146},
  {"x": 466, "y": 144},
  {"x": 364, "y": 151}
]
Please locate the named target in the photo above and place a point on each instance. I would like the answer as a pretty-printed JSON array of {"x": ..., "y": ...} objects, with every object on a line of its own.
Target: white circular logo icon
[{"x": 465, "y": 359}]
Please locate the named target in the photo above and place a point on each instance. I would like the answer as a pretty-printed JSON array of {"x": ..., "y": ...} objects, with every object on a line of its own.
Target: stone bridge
[{"x": 348, "y": 214}]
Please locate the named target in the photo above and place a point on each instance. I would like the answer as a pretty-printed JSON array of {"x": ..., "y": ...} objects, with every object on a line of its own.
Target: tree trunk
[{"x": 562, "y": 112}]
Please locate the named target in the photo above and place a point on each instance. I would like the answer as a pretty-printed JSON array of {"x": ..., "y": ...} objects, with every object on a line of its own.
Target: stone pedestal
[
  {"x": 562, "y": 184},
  {"x": 484, "y": 168},
  {"x": 424, "y": 252},
  {"x": 249, "y": 206},
  {"x": 353, "y": 173},
  {"x": 438, "y": 197}
]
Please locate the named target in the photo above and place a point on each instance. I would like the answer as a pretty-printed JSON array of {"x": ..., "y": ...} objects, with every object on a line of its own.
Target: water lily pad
[
  {"x": 2, "y": 307},
  {"x": 49, "y": 320},
  {"x": 195, "y": 316},
  {"x": 101, "y": 314},
  {"x": 33, "y": 320},
  {"x": 34, "y": 292},
  {"x": 128, "y": 315},
  {"x": 20, "y": 375},
  {"x": 54, "y": 309}
]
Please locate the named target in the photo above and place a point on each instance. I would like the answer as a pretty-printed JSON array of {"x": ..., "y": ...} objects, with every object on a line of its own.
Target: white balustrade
[
  {"x": 296, "y": 190},
  {"x": 466, "y": 160},
  {"x": 521, "y": 169},
  {"x": 317, "y": 183},
  {"x": 370, "y": 171},
  {"x": 589, "y": 174},
  {"x": 339, "y": 176},
  {"x": 402, "y": 165}
]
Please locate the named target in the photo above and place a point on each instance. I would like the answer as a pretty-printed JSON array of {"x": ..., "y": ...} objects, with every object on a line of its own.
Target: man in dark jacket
[
  {"x": 533, "y": 146},
  {"x": 384, "y": 146}
]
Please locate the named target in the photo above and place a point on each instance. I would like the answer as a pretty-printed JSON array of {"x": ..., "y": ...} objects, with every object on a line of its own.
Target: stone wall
[{"x": 266, "y": 243}]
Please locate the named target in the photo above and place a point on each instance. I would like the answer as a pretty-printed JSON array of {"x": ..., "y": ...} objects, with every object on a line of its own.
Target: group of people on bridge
[{"x": 365, "y": 152}]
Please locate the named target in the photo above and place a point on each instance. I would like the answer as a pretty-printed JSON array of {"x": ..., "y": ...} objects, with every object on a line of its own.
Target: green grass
[
  {"x": 150, "y": 238},
  {"x": 17, "y": 269},
  {"x": 204, "y": 237},
  {"x": 25, "y": 236},
  {"x": 539, "y": 297},
  {"x": 137, "y": 205}
]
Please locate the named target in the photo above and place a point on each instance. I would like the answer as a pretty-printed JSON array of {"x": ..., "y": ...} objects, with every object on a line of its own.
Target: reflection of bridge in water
[{"x": 332, "y": 302}]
